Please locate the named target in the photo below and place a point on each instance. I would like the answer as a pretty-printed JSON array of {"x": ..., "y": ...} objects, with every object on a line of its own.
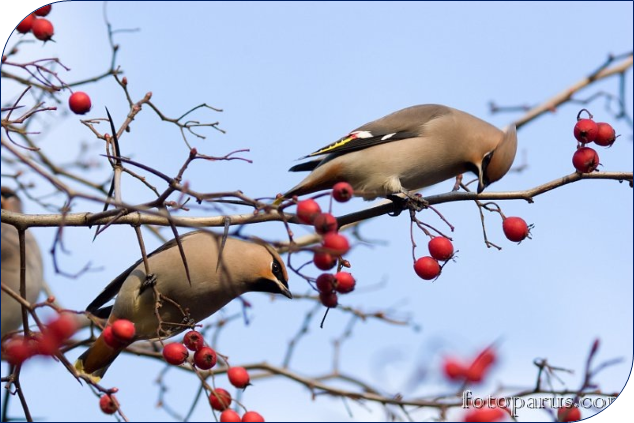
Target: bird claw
[
  {"x": 149, "y": 282},
  {"x": 398, "y": 203},
  {"x": 414, "y": 202}
]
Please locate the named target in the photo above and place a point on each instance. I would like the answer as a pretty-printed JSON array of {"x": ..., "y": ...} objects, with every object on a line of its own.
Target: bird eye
[
  {"x": 487, "y": 159},
  {"x": 276, "y": 268}
]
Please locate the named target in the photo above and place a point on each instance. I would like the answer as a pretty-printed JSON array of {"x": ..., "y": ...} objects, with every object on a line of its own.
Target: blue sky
[{"x": 292, "y": 77}]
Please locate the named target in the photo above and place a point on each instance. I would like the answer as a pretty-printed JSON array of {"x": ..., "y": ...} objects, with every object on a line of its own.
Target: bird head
[
  {"x": 272, "y": 275},
  {"x": 498, "y": 161},
  {"x": 10, "y": 200}
]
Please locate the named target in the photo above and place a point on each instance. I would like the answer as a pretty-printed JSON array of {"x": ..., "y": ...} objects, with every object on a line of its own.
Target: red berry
[
  {"x": 342, "y": 192},
  {"x": 605, "y": 134},
  {"x": 44, "y": 344},
  {"x": 124, "y": 331},
  {"x": 337, "y": 243},
  {"x": 175, "y": 353},
  {"x": 585, "y": 160},
  {"x": 205, "y": 358},
  {"x": 585, "y": 130},
  {"x": 440, "y": 248},
  {"x": 344, "y": 282},
  {"x": 325, "y": 223},
  {"x": 63, "y": 327},
  {"x": 239, "y": 377},
  {"x": 111, "y": 340},
  {"x": 515, "y": 228},
  {"x": 477, "y": 370},
  {"x": 427, "y": 268},
  {"x": 568, "y": 414},
  {"x": 252, "y": 416},
  {"x": 79, "y": 103},
  {"x": 230, "y": 416},
  {"x": 485, "y": 414},
  {"x": 108, "y": 404},
  {"x": 17, "y": 350},
  {"x": 220, "y": 399},
  {"x": 25, "y": 26},
  {"x": 329, "y": 299},
  {"x": 324, "y": 261},
  {"x": 453, "y": 369},
  {"x": 44, "y": 10},
  {"x": 42, "y": 29},
  {"x": 307, "y": 210},
  {"x": 193, "y": 340},
  {"x": 325, "y": 282}
]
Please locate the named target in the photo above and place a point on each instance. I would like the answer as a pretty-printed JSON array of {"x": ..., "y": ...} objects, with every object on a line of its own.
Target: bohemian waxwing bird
[
  {"x": 11, "y": 309},
  {"x": 409, "y": 150},
  {"x": 217, "y": 276}
]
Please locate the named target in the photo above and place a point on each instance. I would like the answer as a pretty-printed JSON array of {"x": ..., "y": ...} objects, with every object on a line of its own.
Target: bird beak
[
  {"x": 483, "y": 181},
  {"x": 285, "y": 291}
]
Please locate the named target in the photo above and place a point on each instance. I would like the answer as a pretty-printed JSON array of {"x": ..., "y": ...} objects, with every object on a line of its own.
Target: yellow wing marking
[{"x": 334, "y": 145}]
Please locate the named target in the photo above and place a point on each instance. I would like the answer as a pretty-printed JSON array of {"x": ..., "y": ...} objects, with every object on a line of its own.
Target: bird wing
[
  {"x": 400, "y": 125},
  {"x": 113, "y": 288},
  {"x": 358, "y": 140}
]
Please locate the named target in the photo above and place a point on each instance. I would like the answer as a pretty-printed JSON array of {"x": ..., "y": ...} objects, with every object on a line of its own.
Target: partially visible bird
[
  {"x": 11, "y": 309},
  {"x": 218, "y": 274},
  {"x": 409, "y": 150}
]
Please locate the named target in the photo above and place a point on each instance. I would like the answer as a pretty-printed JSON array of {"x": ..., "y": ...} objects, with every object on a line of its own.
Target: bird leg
[{"x": 456, "y": 186}]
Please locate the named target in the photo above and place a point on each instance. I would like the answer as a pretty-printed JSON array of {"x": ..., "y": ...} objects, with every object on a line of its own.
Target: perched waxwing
[
  {"x": 11, "y": 309},
  {"x": 217, "y": 275},
  {"x": 409, "y": 150}
]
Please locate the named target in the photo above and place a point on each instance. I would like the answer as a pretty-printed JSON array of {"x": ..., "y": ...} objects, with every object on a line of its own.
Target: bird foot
[
  {"x": 149, "y": 282},
  {"x": 414, "y": 202}
]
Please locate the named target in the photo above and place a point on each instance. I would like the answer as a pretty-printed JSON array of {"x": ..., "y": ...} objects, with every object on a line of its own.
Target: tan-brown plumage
[
  {"x": 243, "y": 266},
  {"x": 409, "y": 150},
  {"x": 11, "y": 309}
]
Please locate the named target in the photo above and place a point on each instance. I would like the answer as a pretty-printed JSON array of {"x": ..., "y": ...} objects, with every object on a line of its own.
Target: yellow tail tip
[{"x": 79, "y": 366}]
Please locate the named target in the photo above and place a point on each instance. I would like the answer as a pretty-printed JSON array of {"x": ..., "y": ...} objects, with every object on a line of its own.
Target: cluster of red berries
[
  {"x": 41, "y": 28},
  {"x": 79, "y": 102},
  {"x": 440, "y": 249},
  {"x": 119, "y": 334},
  {"x": 231, "y": 416},
  {"x": 333, "y": 245},
  {"x": 586, "y": 159},
  {"x": 474, "y": 372},
  {"x": 19, "y": 348},
  {"x": 177, "y": 353},
  {"x": 205, "y": 358},
  {"x": 220, "y": 400},
  {"x": 330, "y": 285}
]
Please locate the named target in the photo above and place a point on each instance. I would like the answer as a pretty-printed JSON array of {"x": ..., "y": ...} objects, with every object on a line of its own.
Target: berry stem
[{"x": 584, "y": 110}]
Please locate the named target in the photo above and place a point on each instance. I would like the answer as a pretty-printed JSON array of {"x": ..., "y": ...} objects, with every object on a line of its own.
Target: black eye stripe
[{"x": 8, "y": 194}]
